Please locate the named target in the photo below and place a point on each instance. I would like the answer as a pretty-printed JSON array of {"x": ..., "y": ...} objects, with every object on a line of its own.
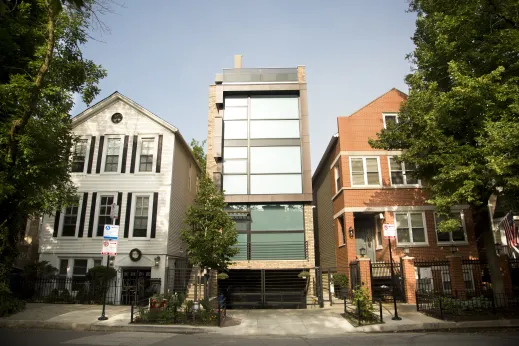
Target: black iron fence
[
  {"x": 175, "y": 309},
  {"x": 514, "y": 274},
  {"x": 85, "y": 291},
  {"x": 476, "y": 276},
  {"x": 362, "y": 311},
  {"x": 433, "y": 276},
  {"x": 383, "y": 285},
  {"x": 450, "y": 307}
]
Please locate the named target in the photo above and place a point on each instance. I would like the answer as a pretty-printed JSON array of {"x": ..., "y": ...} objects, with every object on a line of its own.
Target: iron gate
[
  {"x": 137, "y": 285},
  {"x": 382, "y": 284}
]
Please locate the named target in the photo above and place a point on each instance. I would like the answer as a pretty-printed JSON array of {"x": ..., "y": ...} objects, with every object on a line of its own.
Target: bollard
[
  {"x": 131, "y": 311},
  {"x": 441, "y": 310}
]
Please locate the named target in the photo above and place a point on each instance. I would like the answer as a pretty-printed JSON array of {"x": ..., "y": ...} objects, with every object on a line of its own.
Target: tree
[
  {"x": 460, "y": 124},
  {"x": 41, "y": 68},
  {"x": 210, "y": 233}
]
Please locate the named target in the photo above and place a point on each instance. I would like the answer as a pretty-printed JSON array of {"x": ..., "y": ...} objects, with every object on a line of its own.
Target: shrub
[
  {"x": 8, "y": 304},
  {"x": 362, "y": 300}
]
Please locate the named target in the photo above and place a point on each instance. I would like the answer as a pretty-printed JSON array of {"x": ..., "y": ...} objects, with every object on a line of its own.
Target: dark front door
[
  {"x": 136, "y": 285},
  {"x": 365, "y": 235}
]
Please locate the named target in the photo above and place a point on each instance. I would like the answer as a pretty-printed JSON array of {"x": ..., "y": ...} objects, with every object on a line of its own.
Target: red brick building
[{"x": 357, "y": 189}]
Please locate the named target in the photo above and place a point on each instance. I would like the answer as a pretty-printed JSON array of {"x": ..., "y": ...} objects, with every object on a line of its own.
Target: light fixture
[
  {"x": 157, "y": 261},
  {"x": 454, "y": 249},
  {"x": 350, "y": 230},
  {"x": 381, "y": 216},
  {"x": 362, "y": 252},
  {"x": 406, "y": 251}
]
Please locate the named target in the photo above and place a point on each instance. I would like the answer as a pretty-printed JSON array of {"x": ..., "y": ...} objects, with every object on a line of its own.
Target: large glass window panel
[
  {"x": 274, "y": 107},
  {"x": 271, "y": 246},
  {"x": 235, "y": 113},
  {"x": 274, "y": 129},
  {"x": 235, "y": 129},
  {"x": 105, "y": 206},
  {"x": 276, "y": 217},
  {"x": 80, "y": 152},
  {"x": 372, "y": 171},
  {"x": 234, "y": 166},
  {"x": 275, "y": 184},
  {"x": 242, "y": 246},
  {"x": 275, "y": 159},
  {"x": 235, "y": 184},
  {"x": 140, "y": 221},
  {"x": 235, "y": 101},
  {"x": 235, "y": 152}
]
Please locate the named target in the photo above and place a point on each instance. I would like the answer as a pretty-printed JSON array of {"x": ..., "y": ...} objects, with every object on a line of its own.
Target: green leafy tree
[
  {"x": 41, "y": 68},
  {"x": 460, "y": 124},
  {"x": 210, "y": 233}
]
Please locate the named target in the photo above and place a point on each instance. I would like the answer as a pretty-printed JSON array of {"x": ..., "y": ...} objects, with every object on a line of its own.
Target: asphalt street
[{"x": 20, "y": 337}]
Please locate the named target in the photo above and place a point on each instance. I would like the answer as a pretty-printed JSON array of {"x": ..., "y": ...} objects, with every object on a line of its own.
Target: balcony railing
[
  {"x": 259, "y": 75},
  {"x": 272, "y": 251}
]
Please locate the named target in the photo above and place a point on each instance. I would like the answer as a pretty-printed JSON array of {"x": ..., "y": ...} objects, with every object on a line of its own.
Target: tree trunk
[{"x": 484, "y": 231}]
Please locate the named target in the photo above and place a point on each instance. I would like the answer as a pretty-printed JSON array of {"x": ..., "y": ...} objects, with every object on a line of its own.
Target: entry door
[
  {"x": 365, "y": 236},
  {"x": 134, "y": 284}
]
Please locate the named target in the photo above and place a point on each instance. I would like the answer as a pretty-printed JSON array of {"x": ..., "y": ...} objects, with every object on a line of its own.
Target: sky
[{"x": 164, "y": 54}]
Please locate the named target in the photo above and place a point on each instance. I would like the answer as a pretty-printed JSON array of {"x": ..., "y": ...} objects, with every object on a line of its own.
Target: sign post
[
  {"x": 110, "y": 237},
  {"x": 390, "y": 232}
]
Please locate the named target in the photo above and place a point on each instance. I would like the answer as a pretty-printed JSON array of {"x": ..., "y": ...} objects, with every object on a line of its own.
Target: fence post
[
  {"x": 380, "y": 307},
  {"x": 441, "y": 309},
  {"x": 358, "y": 311},
  {"x": 365, "y": 274},
  {"x": 493, "y": 303},
  {"x": 131, "y": 312},
  {"x": 330, "y": 287},
  {"x": 409, "y": 277}
]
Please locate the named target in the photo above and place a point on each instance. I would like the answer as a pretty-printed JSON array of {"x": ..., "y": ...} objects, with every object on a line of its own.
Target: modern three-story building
[{"x": 259, "y": 154}]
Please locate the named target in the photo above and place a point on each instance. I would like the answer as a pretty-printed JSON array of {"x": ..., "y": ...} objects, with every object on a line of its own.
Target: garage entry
[{"x": 264, "y": 289}]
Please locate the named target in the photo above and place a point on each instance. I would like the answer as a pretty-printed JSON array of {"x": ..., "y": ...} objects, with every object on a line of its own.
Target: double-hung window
[
  {"x": 410, "y": 228},
  {"x": 79, "y": 156},
  {"x": 63, "y": 273},
  {"x": 390, "y": 118},
  {"x": 79, "y": 272},
  {"x": 337, "y": 174},
  {"x": 459, "y": 235},
  {"x": 402, "y": 173},
  {"x": 146, "y": 156},
  {"x": 364, "y": 171},
  {"x": 113, "y": 153},
  {"x": 103, "y": 217},
  {"x": 70, "y": 221},
  {"x": 141, "y": 221}
]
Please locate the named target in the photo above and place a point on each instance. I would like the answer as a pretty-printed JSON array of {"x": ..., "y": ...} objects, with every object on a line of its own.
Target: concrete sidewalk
[{"x": 310, "y": 322}]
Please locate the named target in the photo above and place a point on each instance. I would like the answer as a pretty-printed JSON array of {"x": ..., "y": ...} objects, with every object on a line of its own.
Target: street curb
[
  {"x": 439, "y": 326},
  {"x": 28, "y": 324}
]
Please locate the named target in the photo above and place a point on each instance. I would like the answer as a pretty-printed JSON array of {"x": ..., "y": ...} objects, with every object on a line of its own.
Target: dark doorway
[
  {"x": 365, "y": 234},
  {"x": 137, "y": 285}
]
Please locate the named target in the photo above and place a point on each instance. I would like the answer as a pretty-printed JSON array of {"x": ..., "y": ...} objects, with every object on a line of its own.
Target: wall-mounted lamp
[
  {"x": 350, "y": 231},
  {"x": 406, "y": 251},
  {"x": 157, "y": 261},
  {"x": 381, "y": 216},
  {"x": 454, "y": 249},
  {"x": 362, "y": 252}
]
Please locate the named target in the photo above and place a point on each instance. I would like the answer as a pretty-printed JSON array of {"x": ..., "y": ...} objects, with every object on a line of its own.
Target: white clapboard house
[{"x": 128, "y": 156}]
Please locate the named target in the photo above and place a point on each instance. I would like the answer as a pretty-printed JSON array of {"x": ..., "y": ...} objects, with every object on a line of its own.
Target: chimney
[{"x": 237, "y": 61}]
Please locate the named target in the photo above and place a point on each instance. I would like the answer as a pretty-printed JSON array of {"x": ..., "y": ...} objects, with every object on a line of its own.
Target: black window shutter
[
  {"x": 154, "y": 214},
  {"x": 120, "y": 202},
  {"x": 159, "y": 153},
  {"x": 56, "y": 223},
  {"x": 91, "y": 154},
  {"x": 125, "y": 152},
  {"x": 128, "y": 212},
  {"x": 100, "y": 154},
  {"x": 83, "y": 214},
  {"x": 92, "y": 214},
  {"x": 134, "y": 153}
]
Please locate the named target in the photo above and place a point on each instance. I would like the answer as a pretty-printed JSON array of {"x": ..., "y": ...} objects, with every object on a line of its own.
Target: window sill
[
  {"x": 405, "y": 186},
  {"x": 110, "y": 173},
  {"x": 461, "y": 243},
  {"x": 342, "y": 245},
  {"x": 140, "y": 239},
  {"x": 402, "y": 245},
  {"x": 379, "y": 248}
]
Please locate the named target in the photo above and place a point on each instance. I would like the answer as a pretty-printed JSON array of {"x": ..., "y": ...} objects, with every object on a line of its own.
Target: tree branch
[{"x": 19, "y": 124}]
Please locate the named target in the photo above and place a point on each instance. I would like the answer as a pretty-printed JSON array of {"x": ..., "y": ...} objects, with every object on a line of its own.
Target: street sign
[
  {"x": 109, "y": 247},
  {"x": 114, "y": 211},
  {"x": 111, "y": 232},
  {"x": 389, "y": 230}
]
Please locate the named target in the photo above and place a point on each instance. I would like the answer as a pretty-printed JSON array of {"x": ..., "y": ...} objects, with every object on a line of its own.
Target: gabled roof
[
  {"x": 403, "y": 94},
  {"x": 329, "y": 148},
  {"x": 117, "y": 96}
]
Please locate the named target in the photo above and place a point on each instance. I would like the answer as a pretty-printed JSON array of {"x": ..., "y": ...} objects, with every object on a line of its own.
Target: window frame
[
  {"x": 365, "y": 170},
  {"x": 87, "y": 155},
  {"x": 342, "y": 230},
  {"x": 410, "y": 229},
  {"x": 389, "y": 114},
  {"x": 139, "y": 150},
  {"x": 98, "y": 207},
  {"x": 450, "y": 242},
  {"x": 105, "y": 149},
  {"x": 419, "y": 184},
  {"x": 78, "y": 218},
  {"x": 132, "y": 215},
  {"x": 337, "y": 178}
]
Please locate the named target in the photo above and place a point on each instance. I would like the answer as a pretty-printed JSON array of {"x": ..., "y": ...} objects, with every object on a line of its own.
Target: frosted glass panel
[
  {"x": 275, "y": 184},
  {"x": 235, "y": 130},
  {"x": 235, "y": 184},
  {"x": 234, "y": 166},
  {"x": 235, "y": 101},
  {"x": 233, "y": 113},
  {"x": 274, "y": 129},
  {"x": 275, "y": 159},
  {"x": 235, "y": 152},
  {"x": 274, "y": 107}
]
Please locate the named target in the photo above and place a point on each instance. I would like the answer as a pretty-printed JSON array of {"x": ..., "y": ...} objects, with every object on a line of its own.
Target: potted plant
[
  {"x": 340, "y": 282},
  {"x": 304, "y": 274}
]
